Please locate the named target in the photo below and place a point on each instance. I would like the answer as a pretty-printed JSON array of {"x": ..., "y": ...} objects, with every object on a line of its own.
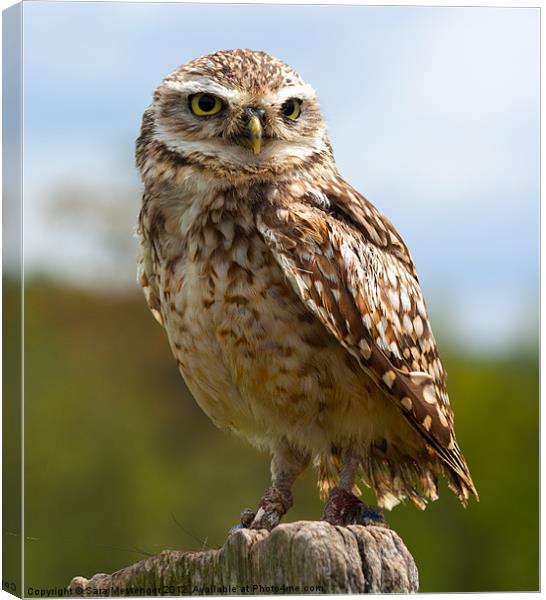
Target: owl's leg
[
  {"x": 343, "y": 507},
  {"x": 286, "y": 464}
]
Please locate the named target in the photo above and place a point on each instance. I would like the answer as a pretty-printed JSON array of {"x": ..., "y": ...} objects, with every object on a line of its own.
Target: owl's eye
[
  {"x": 205, "y": 105},
  {"x": 291, "y": 108}
]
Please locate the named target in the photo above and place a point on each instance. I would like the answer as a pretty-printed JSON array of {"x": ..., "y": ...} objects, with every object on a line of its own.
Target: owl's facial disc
[{"x": 237, "y": 124}]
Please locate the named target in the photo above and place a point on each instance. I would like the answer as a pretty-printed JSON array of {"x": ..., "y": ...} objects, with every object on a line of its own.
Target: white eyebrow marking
[
  {"x": 203, "y": 84},
  {"x": 302, "y": 92}
]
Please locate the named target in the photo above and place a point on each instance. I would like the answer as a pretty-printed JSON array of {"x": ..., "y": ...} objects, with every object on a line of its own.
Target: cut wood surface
[{"x": 305, "y": 557}]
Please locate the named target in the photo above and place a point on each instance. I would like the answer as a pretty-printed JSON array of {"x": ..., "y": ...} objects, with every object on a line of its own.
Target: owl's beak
[{"x": 253, "y": 134}]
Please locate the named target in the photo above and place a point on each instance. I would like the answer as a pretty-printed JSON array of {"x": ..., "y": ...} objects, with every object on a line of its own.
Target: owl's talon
[
  {"x": 247, "y": 516},
  {"x": 344, "y": 508},
  {"x": 273, "y": 506}
]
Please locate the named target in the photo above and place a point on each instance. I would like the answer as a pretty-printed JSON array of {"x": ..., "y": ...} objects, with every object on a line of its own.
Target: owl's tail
[{"x": 396, "y": 477}]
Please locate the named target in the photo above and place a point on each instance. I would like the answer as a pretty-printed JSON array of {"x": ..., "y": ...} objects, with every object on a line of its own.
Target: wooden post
[
  {"x": 297, "y": 558},
  {"x": 294, "y": 558}
]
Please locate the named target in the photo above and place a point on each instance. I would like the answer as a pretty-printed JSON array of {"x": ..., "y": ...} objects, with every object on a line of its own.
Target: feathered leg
[
  {"x": 343, "y": 507},
  {"x": 286, "y": 465}
]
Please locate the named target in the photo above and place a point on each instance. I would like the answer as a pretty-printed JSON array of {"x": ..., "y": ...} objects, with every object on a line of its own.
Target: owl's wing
[
  {"x": 146, "y": 260},
  {"x": 351, "y": 269}
]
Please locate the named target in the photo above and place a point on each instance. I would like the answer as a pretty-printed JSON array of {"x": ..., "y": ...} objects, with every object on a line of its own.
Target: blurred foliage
[
  {"x": 11, "y": 438},
  {"x": 121, "y": 463}
]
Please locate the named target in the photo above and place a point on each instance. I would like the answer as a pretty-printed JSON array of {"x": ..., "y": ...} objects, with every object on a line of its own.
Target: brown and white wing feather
[{"x": 351, "y": 269}]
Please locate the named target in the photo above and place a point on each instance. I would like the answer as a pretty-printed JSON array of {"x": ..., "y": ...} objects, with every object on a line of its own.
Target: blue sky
[{"x": 433, "y": 114}]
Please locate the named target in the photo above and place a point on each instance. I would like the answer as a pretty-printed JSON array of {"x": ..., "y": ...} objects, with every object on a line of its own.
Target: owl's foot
[
  {"x": 344, "y": 508},
  {"x": 274, "y": 504}
]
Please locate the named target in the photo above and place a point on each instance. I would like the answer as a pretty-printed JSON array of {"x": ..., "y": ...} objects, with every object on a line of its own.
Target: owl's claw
[
  {"x": 247, "y": 516},
  {"x": 273, "y": 506},
  {"x": 344, "y": 508}
]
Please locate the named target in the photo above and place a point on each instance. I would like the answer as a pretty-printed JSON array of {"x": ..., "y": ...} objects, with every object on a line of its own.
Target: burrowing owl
[{"x": 291, "y": 304}]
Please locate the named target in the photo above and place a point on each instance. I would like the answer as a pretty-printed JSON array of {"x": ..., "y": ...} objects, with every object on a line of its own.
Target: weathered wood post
[{"x": 294, "y": 558}]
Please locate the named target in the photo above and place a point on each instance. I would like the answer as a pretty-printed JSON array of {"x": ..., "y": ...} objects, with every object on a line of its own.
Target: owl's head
[{"x": 236, "y": 113}]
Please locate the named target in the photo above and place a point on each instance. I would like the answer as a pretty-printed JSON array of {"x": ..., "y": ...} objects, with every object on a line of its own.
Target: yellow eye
[
  {"x": 205, "y": 105},
  {"x": 291, "y": 108}
]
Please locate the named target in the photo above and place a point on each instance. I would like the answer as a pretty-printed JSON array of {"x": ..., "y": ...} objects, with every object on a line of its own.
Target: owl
[{"x": 291, "y": 304}]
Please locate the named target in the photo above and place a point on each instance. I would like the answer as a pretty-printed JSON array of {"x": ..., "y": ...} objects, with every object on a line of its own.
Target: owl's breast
[
  {"x": 230, "y": 318},
  {"x": 255, "y": 359}
]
